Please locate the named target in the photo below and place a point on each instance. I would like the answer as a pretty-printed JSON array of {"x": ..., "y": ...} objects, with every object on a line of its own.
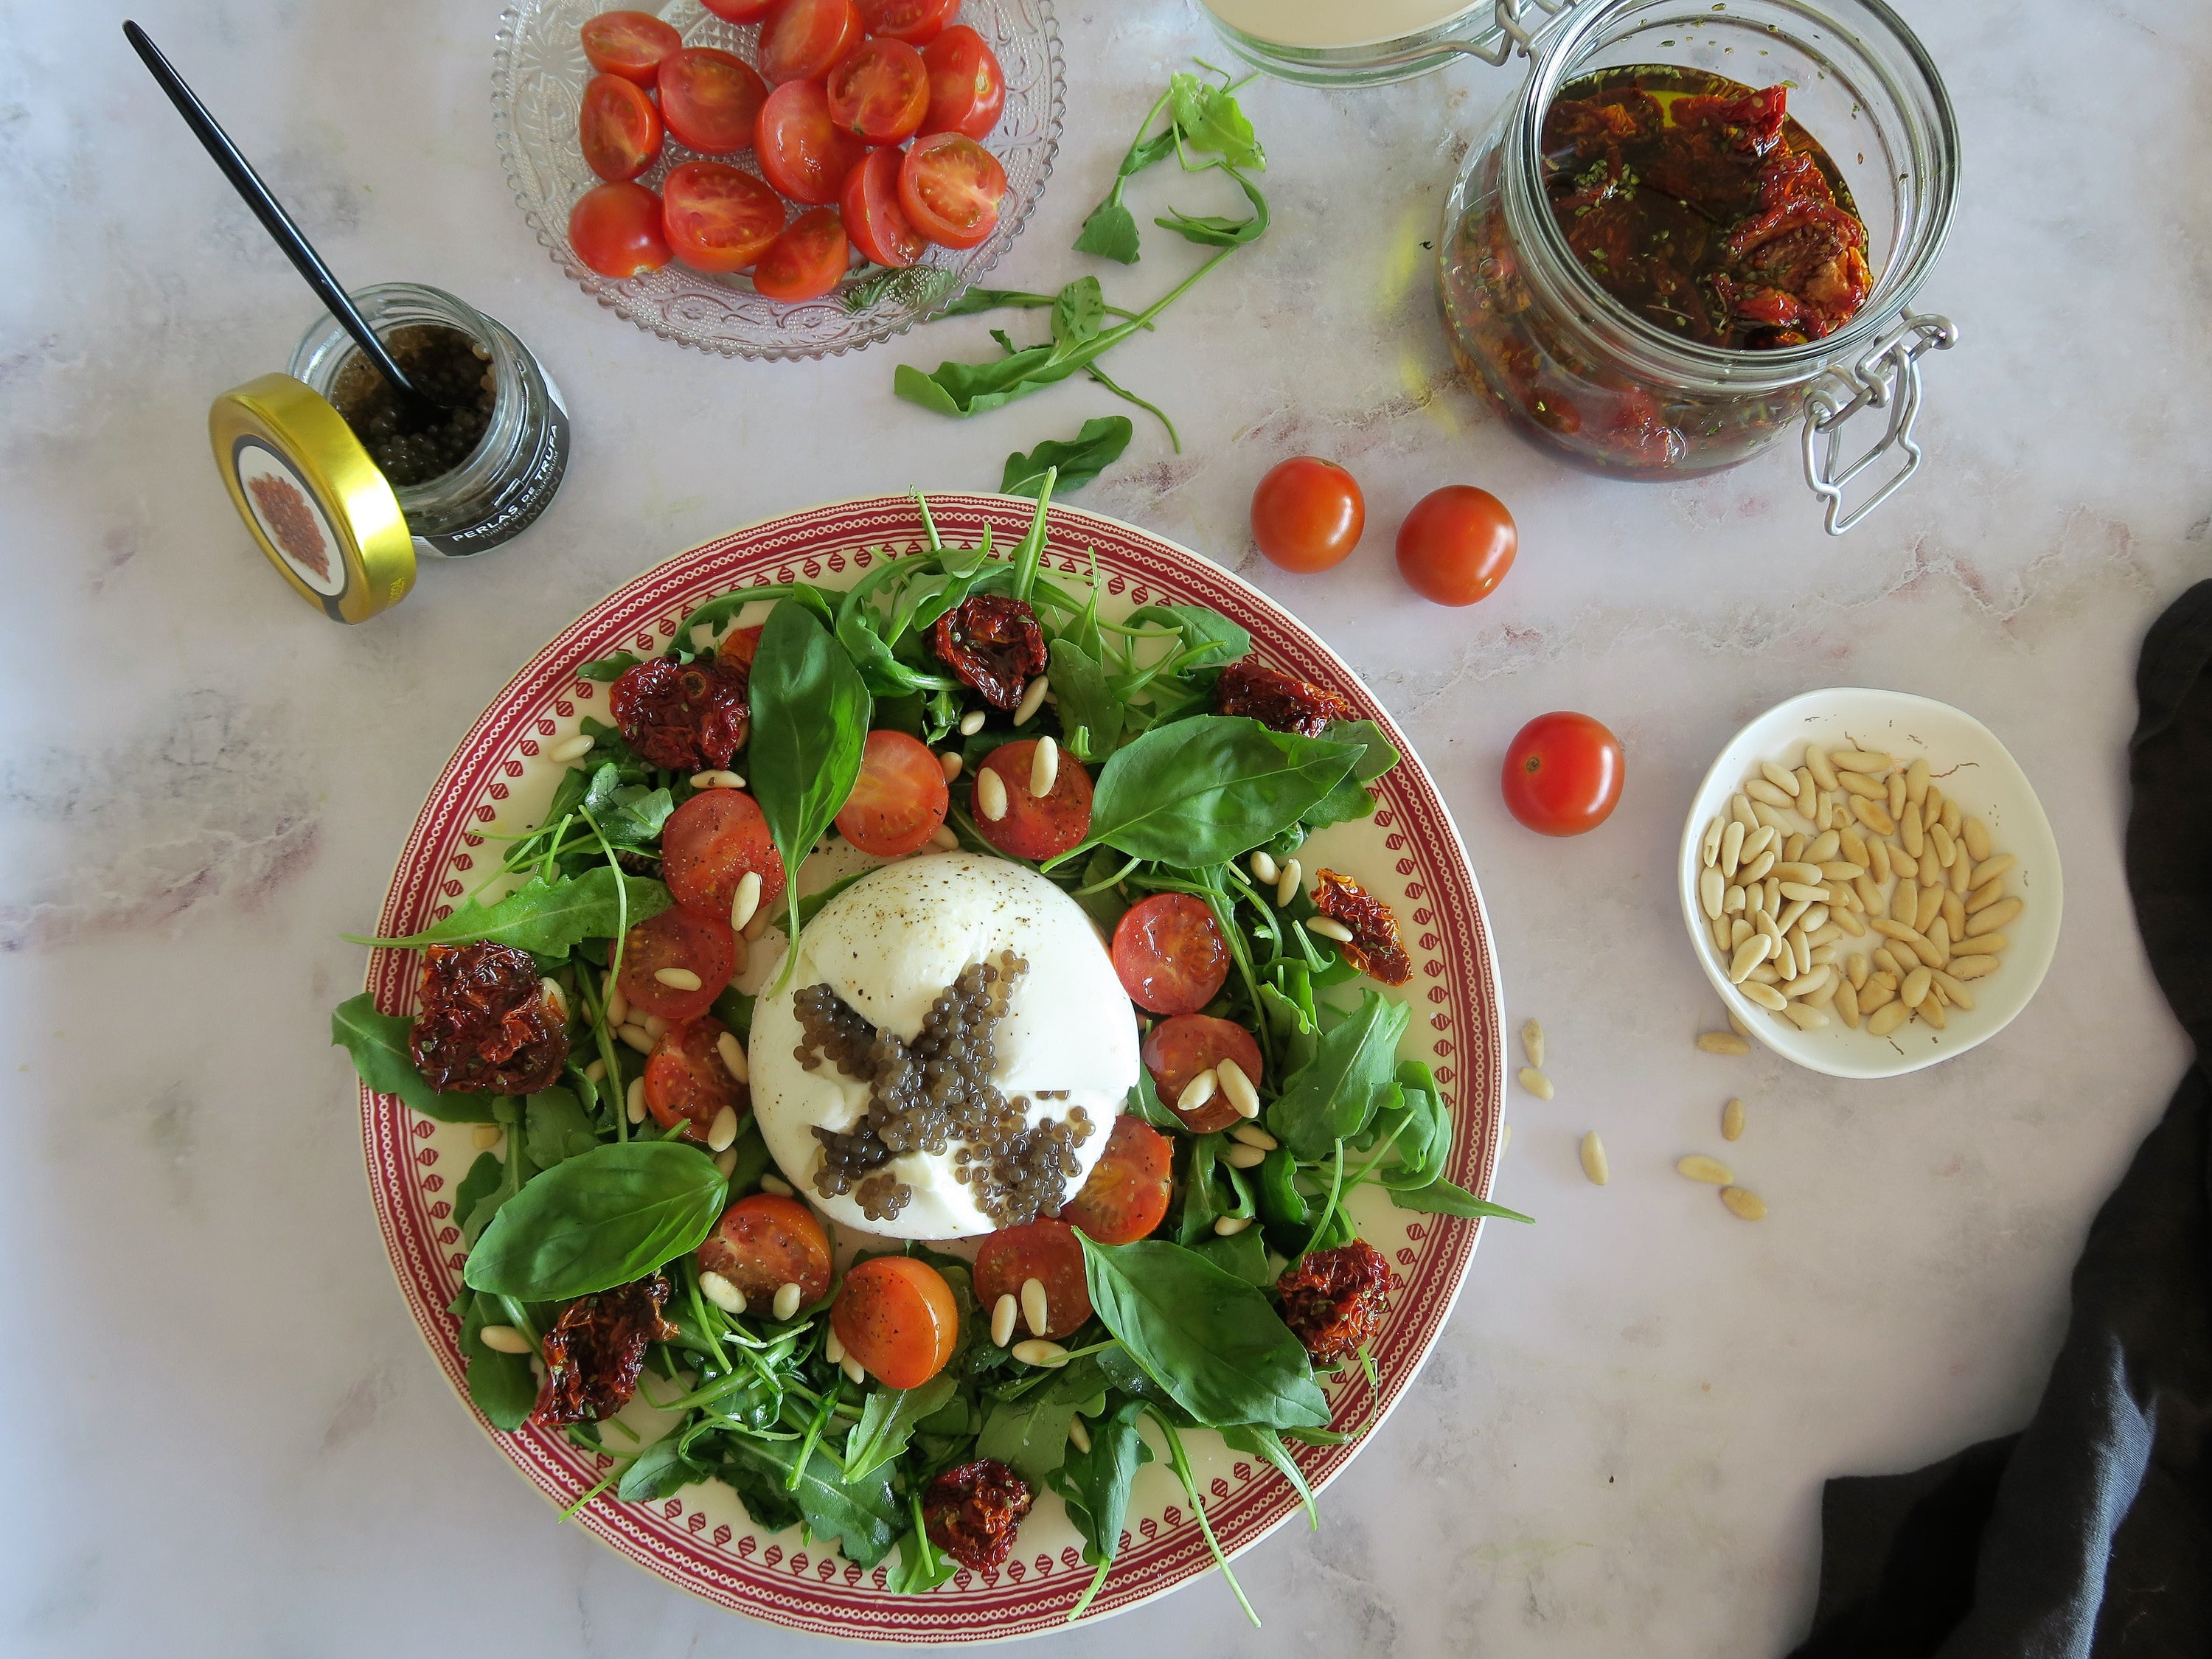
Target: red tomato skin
[
  {"x": 917, "y": 22},
  {"x": 951, "y": 189},
  {"x": 616, "y": 230},
  {"x": 1457, "y": 544},
  {"x": 899, "y": 800},
  {"x": 717, "y": 217},
  {"x": 879, "y": 92},
  {"x": 1126, "y": 1195},
  {"x": 687, "y": 1083},
  {"x": 1170, "y": 954},
  {"x": 873, "y": 218},
  {"x": 801, "y": 150},
  {"x": 1179, "y": 1048},
  {"x": 809, "y": 259},
  {"x": 805, "y": 40},
  {"x": 1562, "y": 774},
  {"x": 737, "y": 11},
  {"x": 677, "y": 938},
  {"x": 709, "y": 844},
  {"x": 630, "y": 44},
  {"x": 897, "y": 1317},
  {"x": 767, "y": 1241},
  {"x": 1307, "y": 514},
  {"x": 1033, "y": 829},
  {"x": 1044, "y": 1250},
  {"x": 619, "y": 127},
  {"x": 710, "y": 100},
  {"x": 967, "y": 88}
]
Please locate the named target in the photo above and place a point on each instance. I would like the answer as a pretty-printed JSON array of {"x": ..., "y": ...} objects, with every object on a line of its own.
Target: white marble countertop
[{"x": 228, "y": 1438}]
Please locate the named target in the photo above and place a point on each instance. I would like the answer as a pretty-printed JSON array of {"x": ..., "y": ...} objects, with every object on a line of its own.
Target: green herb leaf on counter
[
  {"x": 610, "y": 1215},
  {"x": 1350, "y": 1079},
  {"x": 1079, "y": 458},
  {"x": 377, "y": 1045},
  {"x": 545, "y": 918},
  {"x": 1209, "y": 120},
  {"x": 1214, "y": 231},
  {"x": 1203, "y": 119},
  {"x": 1078, "y": 312}
]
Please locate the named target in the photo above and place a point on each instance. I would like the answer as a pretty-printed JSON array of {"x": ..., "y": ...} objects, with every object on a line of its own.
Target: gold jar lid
[{"x": 322, "y": 510}]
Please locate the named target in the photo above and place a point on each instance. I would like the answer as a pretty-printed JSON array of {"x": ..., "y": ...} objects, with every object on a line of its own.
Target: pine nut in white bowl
[{"x": 1972, "y": 768}]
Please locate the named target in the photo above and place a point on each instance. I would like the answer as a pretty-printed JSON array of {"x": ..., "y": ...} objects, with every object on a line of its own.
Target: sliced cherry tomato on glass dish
[
  {"x": 802, "y": 152},
  {"x": 1170, "y": 954},
  {"x": 1126, "y": 1195},
  {"x": 917, "y": 22},
  {"x": 1457, "y": 544},
  {"x": 618, "y": 127},
  {"x": 718, "y": 217},
  {"x": 804, "y": 40},
  {"x": 952, "y": 188},
  {"x": 873, "y": 218},
  {"x": 1308, "y": 514},
  {"x": 1563, "y": 774},
  {"x": 630, "y": 44},
  {"x": 1179, "y": 1048},
  {"x": 807, "y": 260},
  {"x": 710, "y": 843},
  {"x": 897, "y": 1317},
  {"x": 898, "y": 801},
  {"x": 879, "y": 92},
  {"x": 616, "y": 230},
  {"x": 686, "y": 1081},
  {"x": 681, "y": 941},
  {"x": 765, "y": 1241},
  {"x": 710, "y": 100},
  {"x": 1034, "y": 829},
  {"x": 967, "y": 88},
  {"x": 1045, "y": 1250}
]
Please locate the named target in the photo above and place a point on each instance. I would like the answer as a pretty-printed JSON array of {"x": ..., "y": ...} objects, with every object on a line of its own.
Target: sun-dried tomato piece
[
  {"x": 1332, "y": 1299},
  {"x": 972, "y": 1511},
  {"x": 735, "y": 656},
  {"x": 1281, "y": 700},
  {"x": 486, "y": 1025},
  {"x": 994, "y": 644},
  {"x": 687, "y": 717},
  {"x": 596, "y": 1349},
  {"x": 1373, "y": 948}
]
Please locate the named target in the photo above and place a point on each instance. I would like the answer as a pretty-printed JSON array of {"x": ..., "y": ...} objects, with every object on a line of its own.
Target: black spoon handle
[{"x": 266, "y": 207}]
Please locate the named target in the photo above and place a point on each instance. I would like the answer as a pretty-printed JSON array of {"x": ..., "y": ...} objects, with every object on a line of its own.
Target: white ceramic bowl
[{"x": 1972, "y": 768}]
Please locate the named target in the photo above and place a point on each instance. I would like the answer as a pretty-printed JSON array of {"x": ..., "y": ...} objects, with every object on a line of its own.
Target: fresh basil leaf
[
  {"x": 1442, "y": 1197},
  {"x": 506, "y": 1176},
  {"x": 1267, "y": 1443},
  {"x": 1210, "y": 788},
  {"x": 1030, "y": 1434},
  {"x": 861, "y": 1515},
  {"x": 888, "y": 1421},
  {"x": 545, "y": 918},
  {"x": 558, "y": 1129},
  {"x": 1244, "y": 1255},
  {"x": 1200, "y": 626},
  {"x": 1213, "y": 1342},
  {"x": 1110, "y": 232},
  {"x": 1333, "y": 1095},
  {"x": 604, "y": 668},
  {"x": 659, "y": 1471},
  {"x": 1094, "y": 1484},
  {"x": 479, "y": 1185},
  {"x": 921, "y": 1567},
  {"x": 1079, "y": 310},
  {"x": 1214, "y": 231},
  {"x": 1350, "y": 799},
  {"x": 598, "y": 1220},
  {"x": 1087, "y": 703},
  {"x": 810, "y": 722},
  {"x": 502, "y": 1385},
  {"x": 377, "y": 1045},
  {"x": 1078, "y": 459},
  {"x": 1212, "y": 122},
  {"x": 1202, "y": 1204}
]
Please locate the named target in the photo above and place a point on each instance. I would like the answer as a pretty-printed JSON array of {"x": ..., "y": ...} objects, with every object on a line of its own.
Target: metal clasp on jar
[
  {"x": 1514, "y": 24},
  {"x": 1887, "y": 377}
]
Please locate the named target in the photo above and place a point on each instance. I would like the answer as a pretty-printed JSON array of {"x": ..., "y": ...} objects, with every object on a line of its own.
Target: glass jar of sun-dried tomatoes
[{"x": 1800, "y": 239}]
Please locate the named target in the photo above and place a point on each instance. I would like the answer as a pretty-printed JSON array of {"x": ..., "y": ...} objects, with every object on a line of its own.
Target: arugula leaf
[
  {"x": 1110, "y": 231},
  {"x": 1441, "y": 1197},
  {"x": 545, "y": 918},
  {"x": 1214, "y": 1343},
  {"x": 862, "y": 1515},
  {"x": 888, "y": 1421},
  {"x": 1090, "y": 714},
  {"x": 502, "y": 1385},
  {"x": 628, "y": 816},
  {"x": 1079, "y": 459},
  {"x": 1293, "y": 1025},
  {"x": 1145, "y": 1104},
  {"x": 599, "y": 1220},
  {"x": 1030, "y": 1434},
  {"x": 1210, "y": 119},
  {"x": 378, "y": 1044},
  {"x": 488, "y": 1190},
  {"x": 659, "y": 1471},
  {"x": 558, "y": 1129},
  {"x": 604, "y": 668},
  {"x": 1267, "y": 1443},
  {"x": 1349, "y": 1079},
  {"x": 1209, "y": 638},
  {"x": 1095, "y": 1486},
  {"x": 1214, "y": 231},
  {"x": 1350, "y": 799},
  {"x": 1079, "y": 310}
]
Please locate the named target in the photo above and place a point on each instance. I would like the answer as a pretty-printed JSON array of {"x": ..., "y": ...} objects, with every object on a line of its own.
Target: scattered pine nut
[
  {"x": 777, "y": 1184},
  {"x": 1535, "y": 1082},
  {"x": 1253, "y": 1135},
  {"x": 1709, "y": 851},
  {"x": 1873, "y": 817},
  {"x": 1781, "y": 779},
  {"x": 677, "y": 979},
  {"x": 1804, "y": 1017},
  {"x": 1238, "y": 1156},
  {"x": 1196, "y": 1092},
  {"x": 717, "y": 781},
  {"x": 833, "y": 1346},
  {"x": 1966, "y": 968},
  {"x": 485, "y": 1136},
  {"x": 1532, "y": 1041},
  {"x": 945, "y": 840},
  {"x": 856, "y": 1372},
  {"x": 1887, "y": 1017},
  {"x": 1992, "y": 917},
  {"x": 1264, "y": 868},
  {"x": 786, "y": 1300},
  {"x": 1038, "y": 1351},
  {"x": 1593, "y": 1157},
  {"x": 1732, "y": 1121},
  {"x": 1847, "y": 1002},
  {"x": 950, "y": 760},
  {"x": 617, "y": 1007},
  {"x": 1859, "y": 760},
  {"x": 635, "y": 1103},
  {"x": 1078, "y": 1436},
  {"x": 723, "y": 1132},
  {"x": 570, "y": 749},
  {"x": 505, "y": 1338},
  {"x": 1293, "y": 879},
  {"x": 1731, "y": 849},
  {"x": 1764, "y": 995},
  {"x": 1228, "y": 1226},
  {"x": 1711, "y": 890},
  {"x": 1744, "y": 1204},
  {"x": 727, "y": 1162},
  {"x": 722, "y": 1292},
  {"x": 1032, "y": 700},
  {"x": 970, "y": 724},
  {"x": 1723, "y": 1043},
  {"x": 1239, "y": 1088},
  {"x": 732, "y": 1056},
  {"x": 1976, "y": 835},
  {"x": 1709, "y": 1171},
  {"x": 597, "y": 1070},
  {"x": 1330, "y": 928},
  {"x": 1044, "y": 767},
  {"x": 990, "y": 795},
  {"x": 1004, "y": 1312},
  {"x": 1035, "y": 1313},
  {"x": 652, "y": 1024},
  {"x": 1816, "y": 762}
]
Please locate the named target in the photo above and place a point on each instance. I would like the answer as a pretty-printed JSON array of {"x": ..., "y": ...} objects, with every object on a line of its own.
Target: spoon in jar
[{"x": 275, "y": 220}]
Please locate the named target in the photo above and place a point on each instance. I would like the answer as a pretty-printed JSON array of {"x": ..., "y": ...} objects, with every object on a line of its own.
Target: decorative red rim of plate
[{"x": 819, "y": 1592}]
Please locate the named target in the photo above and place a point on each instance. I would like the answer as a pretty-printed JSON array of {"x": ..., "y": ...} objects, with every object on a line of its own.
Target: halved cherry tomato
[
  {"x": 710, "y": 843},
  {"x": 1308, "y": 514},
  {"x": 687, "y": 1083},
  {"x": 1178, "y": 1049},
  {"x": 803, "y": 39},
  {"x": 1034, "y": 829},
  {"x": 1126, "y": 1195},
  {"x": 879, "y": 92},
  {"x": 804, "y": 153},
  {"x": 719, "y": 218},
  {"x": 897, "y": 1317},
  {"x": 951, "y": 187},
  {"x": 630, "y": 44},
  {"x": 1046, "y": 1250},
  {"x": 1563, "y": 774},
  {"x": 1170, "y": 954},
  {"x": 765, "y": 1241},
  {"x": 917, "y": 22},
  {"x": 807, "y": 260},
  {"x": 873, "y": 218},
  {"x": 618, "y": 128},
  {"x": 710, "y": 100},
  {"x": 677, "y": 938},
  {"x": 967, "y": 88},
  {"x": 1457, "y": 544},
  {"x": 616, "y": 230},
  {"x": 737, "y": 11},
  {"x": 898, "y": 801}
]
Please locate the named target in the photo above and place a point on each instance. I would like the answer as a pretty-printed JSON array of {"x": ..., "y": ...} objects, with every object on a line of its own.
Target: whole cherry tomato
[
  {"x": 1308, "y": 514},
  {"x": 1562, "y": 774},
  {"x": 1457, "y": 544},
  {"x": 616, "y": 230}
]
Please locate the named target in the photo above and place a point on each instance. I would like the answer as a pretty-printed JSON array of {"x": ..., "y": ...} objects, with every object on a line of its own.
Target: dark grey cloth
[{"x": 2090, "y": 1531}]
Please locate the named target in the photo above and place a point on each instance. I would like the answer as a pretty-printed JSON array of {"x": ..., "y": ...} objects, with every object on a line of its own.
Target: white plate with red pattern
[{"x": 701, "y": 1538}]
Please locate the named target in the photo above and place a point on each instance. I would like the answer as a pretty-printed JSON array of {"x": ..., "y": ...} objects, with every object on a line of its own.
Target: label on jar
[
  {"x": 292, "y": 521},
  {"x": 522, "y": 499}
]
